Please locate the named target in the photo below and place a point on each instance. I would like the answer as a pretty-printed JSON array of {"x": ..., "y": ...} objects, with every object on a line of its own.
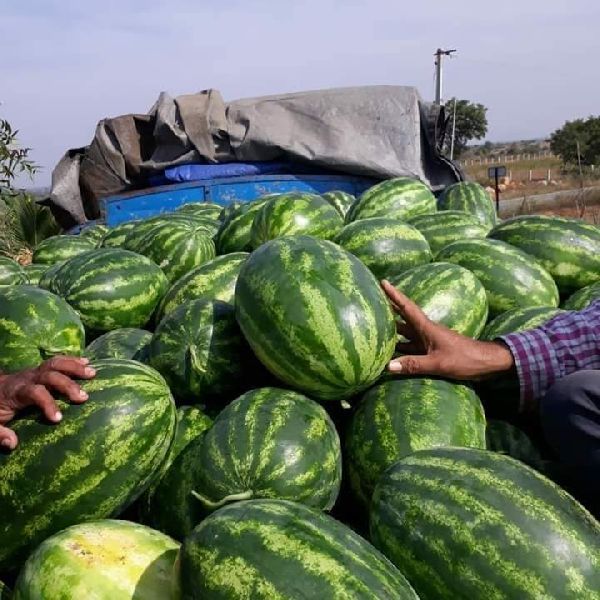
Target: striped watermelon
[
  {"x": 507, "y": 439},
  {"x": 101, "y": 559},
  {"x": 127, "y": 342},
  {"x": 176, "y": 247},
  {"x": 443, "y": 228},
  {"x": 295, "y": 214},
  {"x": 34, "y": 273},
  {"x": 214, "y": 280},
  {"x": 110, "y": 288},
  {"x": 399, "y": 417},
  {"x": 511, "y": 278},
  {"x": 234, "y": 233},
  {"x": 315, "y": 316},
  {"x": 387, "y": 246},
  {"x": 46, "y": 278},
  {"x": 583, "y": 298},
  {"x": 269, "y": 443},
  {"x": 448, "y": 294},
  {"x": 36, "y": 325},
  {"x": 92, "y": 465},
  {"x": 201, "y": 209},
  {"x": 399, "y": 198},
  {"x": 116, "y": 236},
  {"x": 518, "y": 319},
  {"x": 5, "y": 592},
  {"x": 568, "y": 249},
  {"x": 58, "y": 248},
  {"x": 94, "y": 233},
  {"x": 11, "y": 272},
  {"x": 281, "y": 550},
  {"x": 201, "y": 352},
  {"x": 230, "y": 208},
  {"x": 341, "y": 201},
  {"x": 471, "y": 198},
  {"x": 465, "y": 523}
]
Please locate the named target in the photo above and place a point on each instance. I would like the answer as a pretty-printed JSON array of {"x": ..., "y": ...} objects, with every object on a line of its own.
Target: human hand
[
  {"x": 433, "y": 349},
  {"x": 32, "y": 387}
]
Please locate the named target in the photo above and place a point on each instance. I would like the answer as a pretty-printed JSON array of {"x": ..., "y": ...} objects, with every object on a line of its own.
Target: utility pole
[{"x": 439, "y": 55}]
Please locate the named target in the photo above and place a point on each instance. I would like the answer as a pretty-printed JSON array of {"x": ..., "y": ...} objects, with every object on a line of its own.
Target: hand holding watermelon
[
  {"x": 31, "y": 387},
  {"x": 433, "y": 349}
]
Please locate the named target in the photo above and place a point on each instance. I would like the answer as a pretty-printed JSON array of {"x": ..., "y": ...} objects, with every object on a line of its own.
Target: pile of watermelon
[{"x": 242, "y": 439}]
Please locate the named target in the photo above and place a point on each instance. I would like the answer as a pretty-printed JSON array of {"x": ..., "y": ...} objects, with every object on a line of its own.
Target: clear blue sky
[{"x": 66, "y": 64}]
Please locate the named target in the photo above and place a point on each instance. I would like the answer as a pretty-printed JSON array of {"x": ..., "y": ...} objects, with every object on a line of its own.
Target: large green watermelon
[
  {"x": 58, "y": 248},
  {"x": 175, "y": 246},
  {"x": 471, "y": 198},
  {"x": 387, "y": 246},
  {"x": 448, "y": 294},
  {"x": 269, "y": 443},
  {"x": 511, "y": 278},
  {"x": 110, "y": 288},
  {"x": 11, "y": 272},
  {"x": 94, "y": 233},
  {"x": 399, "y": 198},
  {"x": 116, "y": 560},
  {"x": 518, "y": 319},
  {"x": 36, "y": 325},
  {"x": 214, "y": 280},
  {"x": 465, "y": 523},
  {"x": 116, "y": 236},
  {"x": 34, "y": 273},
  {"x": 235, "y": 231},
  {"x": 92, "y": 465},
  {"x": 583, "y": 298},
  {"x": 47, "y": 276},
  {"x": 295, "y": 214},
  {"x": 568, "y": 249},
  {"x": 202, "y": 209},
  {"x": 282, "y": 550},
  {"x": 443, "y": 228},
  {"x": 201, "y": 352},
  {"x": 315, "y": 316},
  {"x": 127, "y": 342},
  {"x": 400, "y": 416},
  {"x": 341, "y": 201},
  {"x": 507, "y": 439}
]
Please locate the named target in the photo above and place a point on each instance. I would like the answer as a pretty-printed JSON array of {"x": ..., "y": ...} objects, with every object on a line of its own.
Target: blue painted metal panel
[{"x": 142, "y": 204}]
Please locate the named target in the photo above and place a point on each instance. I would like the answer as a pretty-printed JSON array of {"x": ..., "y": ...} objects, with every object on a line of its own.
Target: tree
[
  {"x": 13, "y": 159},
  {"x": 471, "y": 124},
  {"x": 563, "y": 142}
]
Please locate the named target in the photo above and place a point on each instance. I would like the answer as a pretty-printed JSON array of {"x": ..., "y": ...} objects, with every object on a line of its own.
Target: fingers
[
  {"x": 415, "y": 365},
  {"x": 8, "y": 438},
  {"x": 64, "y": 385},
  {"x": 69, "y": 365},
  {"x": 39, "y": 396},
  {"x": 405, "y": 330},
  {"x": 410, "y": 348},
  {"x": 409, "y": 311}
]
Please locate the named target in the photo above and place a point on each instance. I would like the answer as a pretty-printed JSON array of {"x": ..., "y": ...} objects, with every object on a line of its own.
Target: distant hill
[{"x": 503, "y": 148}]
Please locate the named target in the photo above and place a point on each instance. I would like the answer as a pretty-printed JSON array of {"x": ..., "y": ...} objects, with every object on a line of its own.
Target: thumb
[
  {"x": 8, "y": 439},
  {"x": 426, "y": 364}
]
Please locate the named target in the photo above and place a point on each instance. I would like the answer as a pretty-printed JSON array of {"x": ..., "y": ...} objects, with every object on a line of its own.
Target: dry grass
[{"x": 480, "y": 172}]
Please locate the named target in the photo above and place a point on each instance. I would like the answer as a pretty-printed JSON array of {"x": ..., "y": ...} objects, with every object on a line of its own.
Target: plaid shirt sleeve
[{"x": 567, "y": 343}]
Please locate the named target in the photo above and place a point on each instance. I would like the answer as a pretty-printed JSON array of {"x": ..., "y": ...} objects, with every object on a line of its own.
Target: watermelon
[
  {"x": 583, "y": 298},
  {"x": 315, "y": 316},
  {"x": 36, "y": 325},
  {"x": 5, "y": 592},
  {"x": 568, "y": 249},
  {"x": 443, "y": 228},
  {"x": 176, "y": 247},
  {"x": 399, "y": 198},
  {"x": 387, "y": 246},
  {"x": 116, "y": 236},
  {"x": 59, "y": 248},
  {"x": 214, "y": 280},
  {"x": 341, "y": 201},
  {"x": 295, "y": 213},
  {"x": 127, "y": 342},
  {"x": 230, "y": 208},
  {"x": 399, "y": 417},
  {"x": 269, "y": 443},
  {"x": 11, "y": 272},
  {"x": 466, "y": 523},
  {"x": 518, "y": 319},
  {"x": 201, "y": 209},
  {"x": 94, "y": 233},
  {"x": 47, "y": 276},
  {"x": 110, "y": 288},
  {"x": 101, "y": 559},
  {"x": 511, "y": 278},
  {"x": 507, "y": 439},
  {"x": 201, "y": 352},
  {"x": 277, "y": 549},
  {"x": 34, "y": 273},
  {"x": 235, "y": 230},
  {"x": 92, "y": 465},
  {"x": 469, "y": 197},
  {"x": 448, "y": 294}
]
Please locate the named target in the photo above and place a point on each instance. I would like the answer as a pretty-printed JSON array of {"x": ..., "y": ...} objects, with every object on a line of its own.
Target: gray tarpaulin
[{"x": 380, "y": 131}]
